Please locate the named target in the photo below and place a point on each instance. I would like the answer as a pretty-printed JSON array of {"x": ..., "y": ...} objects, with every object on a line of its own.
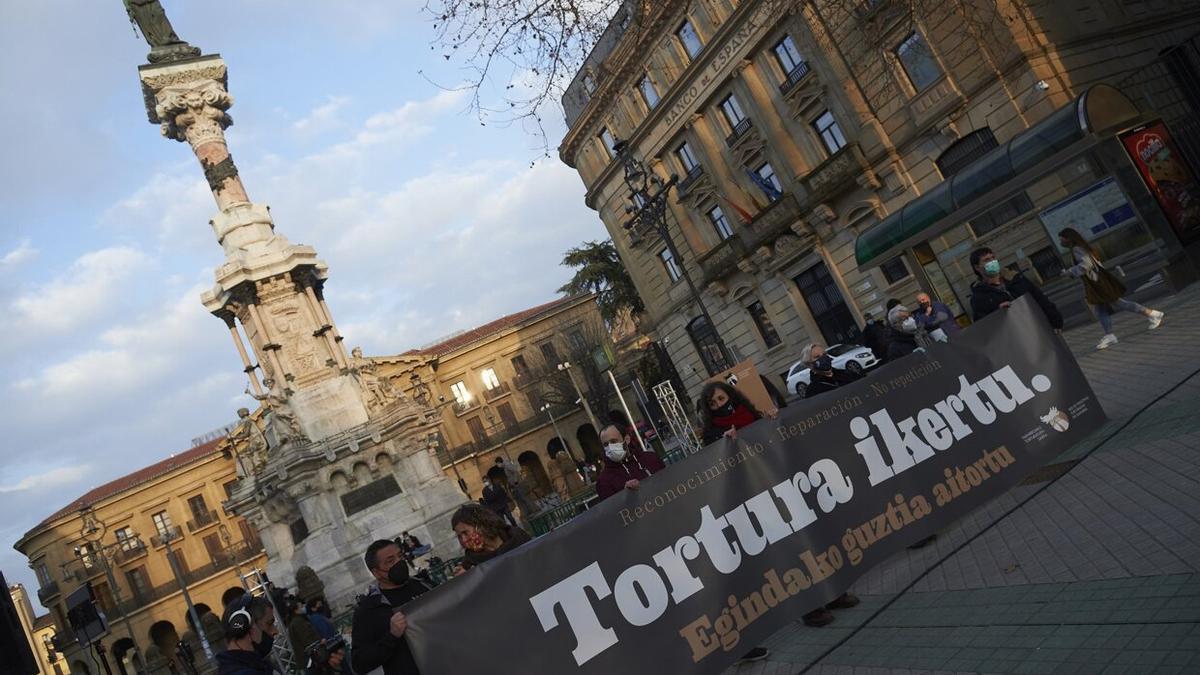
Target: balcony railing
[
  {"x": 460, "y": 407},
  {"x": 240, "y": 553},
  {"x": 509, "y": 432},
  {"x": 496, "y": 392},
  {"x": 202, "y": 520},
  {"x": 171, "y": 534},
  {"x": 739, "y": 130},
  {"x": 130, "y": 550},
  {"x": 836, "y": 174},
  {"x": 47, "y": 591},
  {"x": 690, "y": 179},
  {"x": 798, "y": 73}
]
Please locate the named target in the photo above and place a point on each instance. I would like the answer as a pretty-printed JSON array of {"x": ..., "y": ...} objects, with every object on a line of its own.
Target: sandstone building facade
[
  {"x": 796, "y": 128},
  {"x": 175, "y": 502}
]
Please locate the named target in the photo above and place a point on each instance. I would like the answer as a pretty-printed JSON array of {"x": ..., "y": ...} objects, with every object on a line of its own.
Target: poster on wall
[
  {"x": 1167, "y": 175},
  {"x": 1093, "y": 211}
]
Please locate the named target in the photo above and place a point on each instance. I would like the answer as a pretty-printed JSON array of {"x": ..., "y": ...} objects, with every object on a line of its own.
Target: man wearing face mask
[
  {"x": 250, "y": 632},
  {"x": 379, "y": 626},
  {"x": 624, "y": 467},
  {"x": 902, "y": 338},
  {"x": 936, "y": 316},
  {"x": 995, "y": 290}
]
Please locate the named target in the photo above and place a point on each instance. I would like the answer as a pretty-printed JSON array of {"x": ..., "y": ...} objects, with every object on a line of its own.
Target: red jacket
[{"x": 638, "y": 464}]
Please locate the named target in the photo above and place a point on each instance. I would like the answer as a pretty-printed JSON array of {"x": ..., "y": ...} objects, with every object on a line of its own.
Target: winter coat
[
  {"x": 900, "y": 344},
  {"x": 373, "y": 644},
  {"x": 301, "y": 633},
  {"x": 986, "y": 298},
  {"x": 513, "y": 537},
  {"x": 941, "y": 316},
  {"x": 496, "y": 499},
  {"x": 717, "y": 426},
  {"x": 323, "y": 625},
  {"x": 639, "y": 465},
  {"x": 875, "y": 338},
  {"x": 1100, "y": 287},
  {"x": 821, "y": 385},
  {"x": 241, "y": 662}
]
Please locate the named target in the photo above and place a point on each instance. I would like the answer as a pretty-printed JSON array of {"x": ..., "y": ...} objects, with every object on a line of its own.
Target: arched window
[{"x": 963, "y": 153}]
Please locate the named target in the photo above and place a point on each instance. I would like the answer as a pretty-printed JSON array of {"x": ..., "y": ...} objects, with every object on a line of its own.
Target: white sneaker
[
  {"x": 1107, "y": 341},
  {"x": 1156, "y": 319}
]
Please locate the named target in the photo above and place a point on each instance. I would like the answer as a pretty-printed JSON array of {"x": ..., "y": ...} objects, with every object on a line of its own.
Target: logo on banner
[{"x": 1057, "y": 419}]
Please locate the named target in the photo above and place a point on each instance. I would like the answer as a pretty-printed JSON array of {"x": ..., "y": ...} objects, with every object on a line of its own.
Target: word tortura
[{"x": 643, "y": 592}]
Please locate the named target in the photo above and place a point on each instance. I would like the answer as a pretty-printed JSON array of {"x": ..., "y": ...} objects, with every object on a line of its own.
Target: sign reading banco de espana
[{"x": 714, "y": 554}]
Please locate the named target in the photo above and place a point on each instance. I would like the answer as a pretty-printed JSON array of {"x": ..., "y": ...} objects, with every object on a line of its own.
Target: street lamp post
[
  {"x": 93, "y": 525},
  {"x": 546, "y": 408},
  {"x": 421, "y": 394},
  {"x": 166, "y": 537},
  {"x": 566, "y": 368},
  {"x": 648, "y": 207}
]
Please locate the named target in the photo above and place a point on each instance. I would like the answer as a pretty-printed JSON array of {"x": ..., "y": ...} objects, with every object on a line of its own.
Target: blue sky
[{"x": 429, "y": 221}]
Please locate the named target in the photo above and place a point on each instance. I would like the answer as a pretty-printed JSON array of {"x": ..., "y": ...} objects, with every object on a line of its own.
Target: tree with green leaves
[{"x": 599, "y": 270}]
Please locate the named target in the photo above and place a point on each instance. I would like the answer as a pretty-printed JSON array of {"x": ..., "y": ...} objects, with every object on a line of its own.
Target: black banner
[{"x": 715, "y": 553}]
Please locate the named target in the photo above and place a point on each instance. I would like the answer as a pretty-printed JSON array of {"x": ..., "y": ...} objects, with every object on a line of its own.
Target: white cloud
[
  {"x": 23, "y": 253},
  {"x": 408, "y": 122},
  {"x": 173, "y": 207},
  {"x": 61, "y": 476},
  {"x": 86, "y": 290},
  {"x": 322, "y": 118}
]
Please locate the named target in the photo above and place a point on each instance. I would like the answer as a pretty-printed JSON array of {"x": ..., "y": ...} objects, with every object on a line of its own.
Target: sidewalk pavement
[{"x": 1097, "y": 574}]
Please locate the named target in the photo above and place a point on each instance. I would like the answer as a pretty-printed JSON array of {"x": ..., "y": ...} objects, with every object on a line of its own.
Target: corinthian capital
[{"x": 195, "y": 112}]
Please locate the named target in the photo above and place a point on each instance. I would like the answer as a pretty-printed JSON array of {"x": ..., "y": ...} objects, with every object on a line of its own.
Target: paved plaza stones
[{"x": 1096, "y": 573}]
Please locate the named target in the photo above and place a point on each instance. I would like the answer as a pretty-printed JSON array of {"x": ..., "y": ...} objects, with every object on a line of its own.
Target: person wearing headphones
[{"x": 250, "y": 633}]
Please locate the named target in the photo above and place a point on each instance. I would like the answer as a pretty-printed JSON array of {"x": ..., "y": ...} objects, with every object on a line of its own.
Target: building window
[
  {"x": 766, "y": 174},
  {"x": 229, "y": 488},
  {"x": 199, "y": 509},
  {"x": 720, "y": 222},
  {"x": 589, "y": 84},
  {"x": 917, "y": 60},
  {"x": 670, "y": 264},
  {"x": 830, "y": 133},
  {"x": 895, "y": 270},
  {"x": 550, "y": 353},
  {"x": 763, "y": 322},
  {"x": 507, "y": 416},
  {"x": 162, "y": 524},
  {"x": 519, "y": 366},
  {"x": 686, "y": 157},
  {"x": 43, "y": 574},
  {"x": 577, "y": 341},
  {"x": 649, "y": 93},
  {"x": 787, "y": 55},
  {"x": 689, "y": 39},
  {"x": 126, "y": 539},
  {"x": 460, "y": 392},
  {"x": 490, "y": 381},
  {"x": 732, "y": 110},
  {"x": 705, "y": 340},
  {"x": 139, "y": 583},
  {"x": 607, "y": 140},
  {"x": 216, "y": 552}
]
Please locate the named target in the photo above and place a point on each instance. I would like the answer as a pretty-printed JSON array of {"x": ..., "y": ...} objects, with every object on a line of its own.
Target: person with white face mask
[
  {"x": 902, "y": 339},
  {"x": 625, "y": 467}
]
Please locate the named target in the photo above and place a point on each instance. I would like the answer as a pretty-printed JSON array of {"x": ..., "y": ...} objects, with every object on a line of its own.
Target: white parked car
[{"x": 851, "y": 358}]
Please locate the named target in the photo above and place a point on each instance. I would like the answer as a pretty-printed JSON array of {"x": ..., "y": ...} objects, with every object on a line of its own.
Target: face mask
[
  {"x": 473, "y": 541},
  {"x": 991, "y": 268},
  {"x": 263, "y": 648},
  {"x": 725, "y": 410},
  {"x": 398, "y": 573},
  {"x": 615, "y": 452},
  {"x": 924, "y": 305},
  {"x": 909, "y": 324}
]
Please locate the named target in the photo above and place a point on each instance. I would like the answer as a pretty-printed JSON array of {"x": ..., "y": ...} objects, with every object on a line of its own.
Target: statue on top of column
[
  {"x": 149, "y": 18},
  {"x": 248, "y": 440}
]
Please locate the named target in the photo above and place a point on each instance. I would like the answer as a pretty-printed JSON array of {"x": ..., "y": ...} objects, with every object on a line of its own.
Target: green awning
[{"x": 1098, "y": 110}]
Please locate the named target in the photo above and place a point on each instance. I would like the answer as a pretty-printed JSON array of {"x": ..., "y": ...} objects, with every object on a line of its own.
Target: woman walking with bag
[{"x": 1102, "y": 289}]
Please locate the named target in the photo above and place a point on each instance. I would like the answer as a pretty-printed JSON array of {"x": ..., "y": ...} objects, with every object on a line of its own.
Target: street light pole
[
  {"x": 91, "y": 525},
  {"x": 549, "y": 411},
  {"x": 566, "y": 368},
  {"x": 648, "y": 197},
  {"x": 167, "y": 537}
]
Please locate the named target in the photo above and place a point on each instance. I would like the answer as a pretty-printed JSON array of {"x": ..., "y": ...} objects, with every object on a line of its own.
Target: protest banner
[{"x": 715, "y": 553}]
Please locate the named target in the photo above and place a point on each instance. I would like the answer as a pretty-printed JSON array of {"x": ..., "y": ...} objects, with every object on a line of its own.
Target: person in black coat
[
  {"x": 250, "y": 631},
  {"x": 874, "y": 336},
  {"x": 377, "y": 636},
  {"x": 902, "y": 332},
  {"x": 994, "y": 290},
  {"x": 826, "y": 379},
  {"x": 495, "y": 498}
]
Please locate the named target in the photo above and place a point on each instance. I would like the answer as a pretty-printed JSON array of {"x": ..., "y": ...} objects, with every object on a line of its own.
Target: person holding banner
[
  {"x": 379, "y": 626},
  {"x": 992, "y": 291},
  {"x": 825, "y": 378},
  {"x": 625, "y": 465},
  {"x": 1101, "y": 288},
  {"x": 483, "y": 535}
]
